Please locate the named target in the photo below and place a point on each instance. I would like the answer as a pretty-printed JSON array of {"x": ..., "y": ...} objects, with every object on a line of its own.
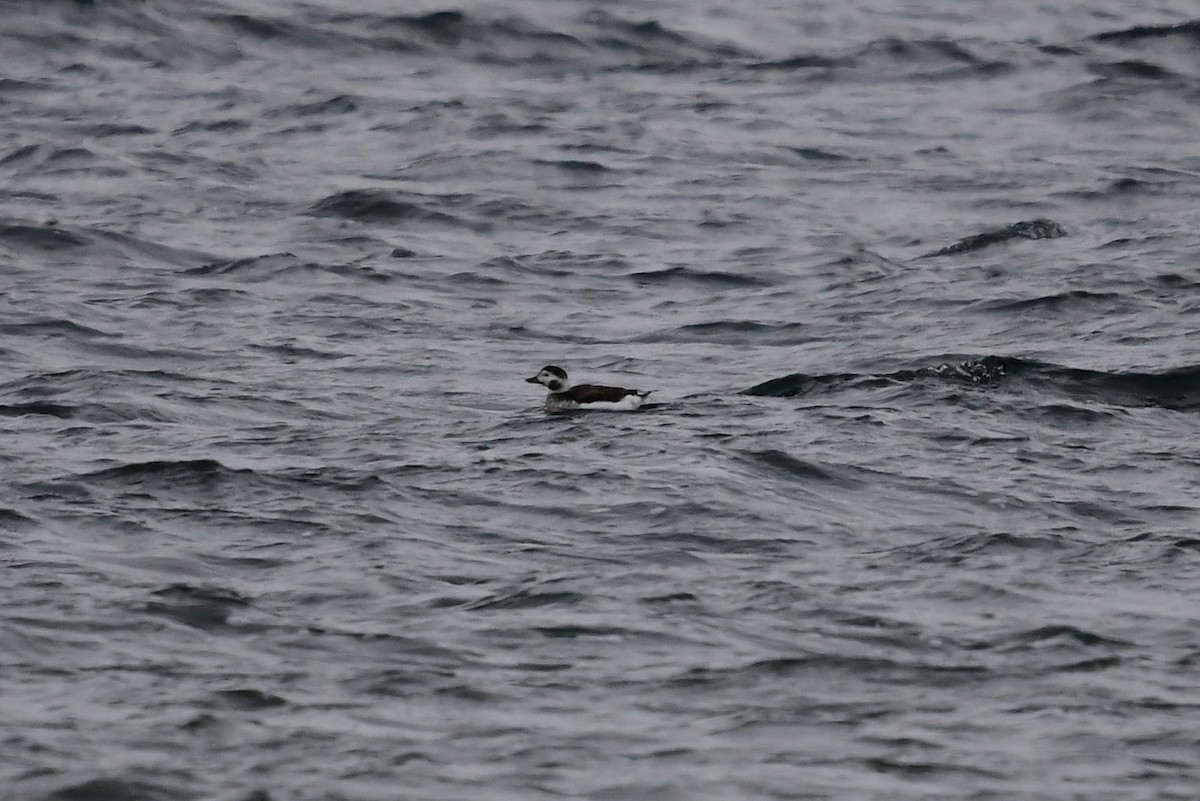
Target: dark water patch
[
  {"x": 204, "y": 608},
  {"x": 1175, "y": 281},
  {"x": 671, "y": 598},
  {"x": 360, "y": 271},
  {"x": 248, "y": 700},
  {"x": 449, "y": 27},
  {"x": 258, "y": 26},
  {"x": 1060, "y": 50},
  {"x": 654, "y": 45},
  {"x": 195, "y": 296},
  {"x": 106, "y": 130},
  {"x": 146, "y": 252},
  {"x": 11, "y": 520},
  {"x": 1056, "y": 634},
  {"x": 894, "y": 59},
  {"x": 502, "y": 124},
  {"x": 781, "y": 463},
  {"x": 99, "y": 245},
  {"x": 22, "y": 154},
  {"x": 441, "y": 24},
  {"x": 1090, "y": 665},
  {"x": 342, "y": 479},
  {"x": 53, "y": 328},
  {"x": 526, "y": 599},
  {"x": 227, "y": 125},
  {"x": 955, "y": 549},
  {"x": 801, "y": 62},
  {"x": 554, "y": 264},
  {"x": 505, "y": 41},
  {"x": 817, "y": 154},
  {"x": 17, "y": 85},
  {"x": 47, "y": 238},
  {"x": 1184, "y": 30},
  {"x": 1138, "y": 70},
  {"x": 1177, "y": 389},
  {"x": 291, "y": 353},
  {"x": 573, "y": 632},
  {"x": 252, "y": 268},
  {"x": 66, "y": 158},
  {"x": 804, "y": 384},
  {"x": 880, "y": 669},
  {"x": 1026, "y": 229},
  {"x": 478, "y": 278},
  {"x": 524, "y": 332},
  {"x": 21, "y": 194},
  {"x": 119, "y": 789},
  {"x": 59, "y": 410},
  {"x": 912, "y": 769},
  {"x": 1072, "y": 299},
  {"x": 509, "y": 268},
  {"x": 930, "y": 53},
  {"x": 1070, "y": 414},
  {"x": 513, "y": 210},
  {"x": 598, "y": 37},
  {"x": 731, "y": 332},
  {"x": 88, "y": 382},
  {"x": 169, "y": 474},
  {"x": 339, "y": 104},
  {"x": 377, "y": 205},
  {"x": 680, "y": 276},
  {"x": 1171, "y": 389},
  {"x": 1132, "y": 186},
  {"x": 576, "y": 166}
]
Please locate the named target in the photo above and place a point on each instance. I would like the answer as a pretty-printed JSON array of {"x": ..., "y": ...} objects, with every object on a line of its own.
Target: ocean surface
[{"x": 915, "y": 512}]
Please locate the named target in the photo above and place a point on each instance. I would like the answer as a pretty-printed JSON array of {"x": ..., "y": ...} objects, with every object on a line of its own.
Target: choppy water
[{"x": 915, "y": 513}]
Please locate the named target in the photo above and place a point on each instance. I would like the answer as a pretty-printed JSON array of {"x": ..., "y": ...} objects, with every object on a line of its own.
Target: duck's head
[{"x": 551, "y": 377}]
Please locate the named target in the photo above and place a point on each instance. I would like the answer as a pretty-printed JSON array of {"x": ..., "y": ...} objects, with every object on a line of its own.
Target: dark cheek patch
[{"x": 555, "y": 385}]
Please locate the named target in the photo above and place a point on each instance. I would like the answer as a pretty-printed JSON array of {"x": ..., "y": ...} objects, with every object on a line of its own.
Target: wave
[
  {"x": 59, "y": 410},
  {"x": 1056, "y": 301},
  {"x": 378, "y": 205},
  {"x": 120, "y": 789},
  {"x": 730, "y": 331},
  {"x": 595, "y": 38},
  {"x": 1026, "y": 229},
  {"x": 672, "y": 276},
  {"x": 1136, "y": 69},
  {"x": 895, "y": 58},
  {"x": 590, "y": 38},
  {"x": 46, "y": 238},
  {"x": 1039, "y": 636},
  {"x": 1185, "y": 30},
  {"x": 94, "y": 244},
  {"x": 882, "y": 667},
  {"x": 477, "y": 213},
  {"x": 578, "y": 166},
  {"x": 780, "y": 463},
  {"x": 203, "y": 608},
  {"x": 1177, "y": 389},
  {"x": 171, "y": 473}
]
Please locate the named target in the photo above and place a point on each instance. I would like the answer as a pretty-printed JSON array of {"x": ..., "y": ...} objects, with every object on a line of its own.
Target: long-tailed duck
[{"x": 567, "y": 397}]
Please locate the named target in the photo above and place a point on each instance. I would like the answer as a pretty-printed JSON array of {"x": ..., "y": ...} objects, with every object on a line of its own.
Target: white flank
[{"x": 625, "y": 404}]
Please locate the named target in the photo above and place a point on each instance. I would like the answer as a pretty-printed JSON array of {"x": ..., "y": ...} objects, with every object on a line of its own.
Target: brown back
[{"x": 590, "y": 393}]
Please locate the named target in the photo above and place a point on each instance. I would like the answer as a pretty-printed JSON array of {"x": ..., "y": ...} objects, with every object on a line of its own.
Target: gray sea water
[{"x": 914, "y": 513}]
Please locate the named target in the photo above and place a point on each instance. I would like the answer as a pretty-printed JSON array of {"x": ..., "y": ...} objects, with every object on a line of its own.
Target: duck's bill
[{"x": 531, "y": 380}]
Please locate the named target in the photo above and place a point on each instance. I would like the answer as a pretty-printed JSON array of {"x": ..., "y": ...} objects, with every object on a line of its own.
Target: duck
[{"x": 567, "y": 397}]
